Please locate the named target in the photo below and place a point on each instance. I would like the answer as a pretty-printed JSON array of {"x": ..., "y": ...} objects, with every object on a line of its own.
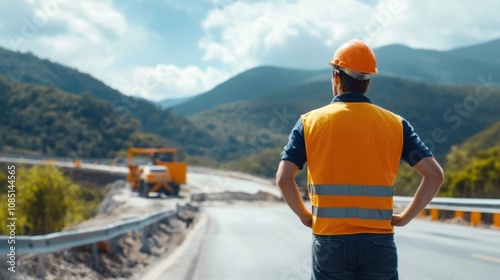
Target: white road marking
[{"x": 486, "y": 258}]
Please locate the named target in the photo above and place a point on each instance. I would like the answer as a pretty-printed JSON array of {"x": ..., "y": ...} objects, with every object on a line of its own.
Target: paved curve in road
[{"x": 266, "y": 241}]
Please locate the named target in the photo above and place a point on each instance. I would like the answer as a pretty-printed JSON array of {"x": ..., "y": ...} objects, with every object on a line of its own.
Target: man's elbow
[
  {"x": 280, "y": 179},
  {"x": 431, "y": 170},
  {"x": 285, "y": 176},
  {"x": 440, "y": 176},
  {"x": 437, "y": 176},
  {"x": 283, "y": 179}
]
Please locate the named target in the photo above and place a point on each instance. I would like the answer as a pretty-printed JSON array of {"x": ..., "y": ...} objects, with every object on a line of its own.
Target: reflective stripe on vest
[
  {"x": 351, "y": 190},
  {"x": 355, "y": 191},
  {"x": 367, "y": 214}
]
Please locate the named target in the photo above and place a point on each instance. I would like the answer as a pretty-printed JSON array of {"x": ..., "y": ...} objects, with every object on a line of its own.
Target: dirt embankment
[{"x": 235, "y": 196}]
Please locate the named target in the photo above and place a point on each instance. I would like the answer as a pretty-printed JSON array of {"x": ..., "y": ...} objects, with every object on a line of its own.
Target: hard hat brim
[{"x": 332, "y": 63}]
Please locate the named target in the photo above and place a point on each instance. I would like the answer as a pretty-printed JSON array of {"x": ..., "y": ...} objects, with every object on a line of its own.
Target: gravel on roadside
[{"x": 126, "y": 263}]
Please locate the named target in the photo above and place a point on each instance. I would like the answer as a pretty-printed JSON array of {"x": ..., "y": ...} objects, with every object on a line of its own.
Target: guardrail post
[
  {"x": 459, "y": 214},
  {"x": 145, "y": 246},
  {"x": 422, "y": 214},
  {"x": 496, "y": 220},
  {"x": 114, "y": 244},
  {"x": 434, "y": 214},
  {"x": 40, "y": 266},
  {"x": 95, "y": 256},
  {"x": 475, "y": 218}
]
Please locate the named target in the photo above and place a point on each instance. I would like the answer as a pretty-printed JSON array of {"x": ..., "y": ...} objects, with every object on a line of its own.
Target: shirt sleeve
[
  {"x": 414, "y": 150},
  {"x": 295, "y": 150}
]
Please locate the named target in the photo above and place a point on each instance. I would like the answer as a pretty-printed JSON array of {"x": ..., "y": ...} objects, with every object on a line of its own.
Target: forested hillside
[
  {"x": 473, "y": 167},
  {"x": 485, "y": 139},
  {"x": 27, "y": 68},
  {"x": 45, "y": 120}
]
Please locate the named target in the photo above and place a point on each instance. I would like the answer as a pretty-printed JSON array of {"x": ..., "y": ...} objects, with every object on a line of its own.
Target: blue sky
[{"x": 160, "y": 49}]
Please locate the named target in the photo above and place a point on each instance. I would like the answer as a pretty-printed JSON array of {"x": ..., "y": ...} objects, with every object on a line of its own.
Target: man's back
[
  {"x": 353, "y": 151},
  {"x": 353, "y": 137}
]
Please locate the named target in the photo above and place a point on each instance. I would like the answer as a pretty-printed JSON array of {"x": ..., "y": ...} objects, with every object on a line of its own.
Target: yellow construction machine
[{"x": 161, "y": 174}]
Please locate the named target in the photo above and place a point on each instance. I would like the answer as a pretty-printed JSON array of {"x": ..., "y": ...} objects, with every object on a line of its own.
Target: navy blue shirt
[{"x": 414, "y": 150}]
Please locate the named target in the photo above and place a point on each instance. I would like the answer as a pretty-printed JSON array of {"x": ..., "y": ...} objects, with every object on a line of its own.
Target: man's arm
[
  {"x": 285, "y": 179},
  {"x": 431, "y": 182}
]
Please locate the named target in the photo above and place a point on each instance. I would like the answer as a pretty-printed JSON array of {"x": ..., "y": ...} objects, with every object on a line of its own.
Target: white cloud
[
  {"x": 167, "y": 81},
  {"x": 105, "y": 17},
  {"x": 84, "y": 39},
  {"x": 442, "y": 24},
  {"x": 302, "y": 33},
  {"x": 305, "y": 33}
]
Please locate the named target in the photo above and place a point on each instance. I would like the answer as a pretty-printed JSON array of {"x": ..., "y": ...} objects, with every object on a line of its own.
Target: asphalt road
[
  {"x": 250, "y": 241},
  {"x": 242, "y": 241},
  {"x": 430, "y": 250}
]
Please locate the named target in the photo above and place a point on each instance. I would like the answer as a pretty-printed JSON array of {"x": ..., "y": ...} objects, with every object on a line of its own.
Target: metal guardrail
[
  {"x": 39, "y": 158},
  {"x": 459, "y": 204},
  {"x": 69, "y": 239},
  {"x": 41, "y": 244},
  {"x": 475, "y": 206}
]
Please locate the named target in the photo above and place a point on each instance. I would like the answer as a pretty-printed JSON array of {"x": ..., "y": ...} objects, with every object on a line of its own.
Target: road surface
[
  {"x": 252, "y": 241},
  {"x": 430, "y": 250}
]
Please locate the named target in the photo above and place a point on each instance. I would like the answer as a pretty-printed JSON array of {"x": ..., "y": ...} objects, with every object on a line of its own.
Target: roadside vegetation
[{"x": 47, "y": 201}]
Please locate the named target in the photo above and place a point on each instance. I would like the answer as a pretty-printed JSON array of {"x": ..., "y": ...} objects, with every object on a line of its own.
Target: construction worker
[{"x": 353, "y": 150}]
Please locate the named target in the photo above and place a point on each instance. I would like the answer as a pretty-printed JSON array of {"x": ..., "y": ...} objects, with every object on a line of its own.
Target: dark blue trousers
[{"x": 354, "y": 257}]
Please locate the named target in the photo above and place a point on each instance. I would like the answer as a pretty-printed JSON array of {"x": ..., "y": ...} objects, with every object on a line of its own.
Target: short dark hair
[{"x": 349, "y": 84}]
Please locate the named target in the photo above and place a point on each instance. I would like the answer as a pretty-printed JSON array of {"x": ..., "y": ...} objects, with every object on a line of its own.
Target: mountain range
[
  {"x": 459, "y": 66},
  {"x": 448, "y": 96},
  {"x": 467, "y": 65}
]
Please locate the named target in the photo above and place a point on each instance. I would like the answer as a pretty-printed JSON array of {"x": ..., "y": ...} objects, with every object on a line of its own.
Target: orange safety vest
[{"x": 353, "y": 153}]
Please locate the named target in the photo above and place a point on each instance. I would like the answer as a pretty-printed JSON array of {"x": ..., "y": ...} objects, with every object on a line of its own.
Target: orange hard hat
[{"x": 356, "y": 59}]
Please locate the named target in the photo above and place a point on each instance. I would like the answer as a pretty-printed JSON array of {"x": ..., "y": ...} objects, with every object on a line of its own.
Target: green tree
[
  {"x": 47, "y": 201},
  {"x": 457, "y": 158},
  {"x": 3, "y": 179},
  {"x": 479, "y": 178}
]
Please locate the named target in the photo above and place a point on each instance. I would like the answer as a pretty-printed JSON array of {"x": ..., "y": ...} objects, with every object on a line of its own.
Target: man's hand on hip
[{"x": 306, "y": 219}]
